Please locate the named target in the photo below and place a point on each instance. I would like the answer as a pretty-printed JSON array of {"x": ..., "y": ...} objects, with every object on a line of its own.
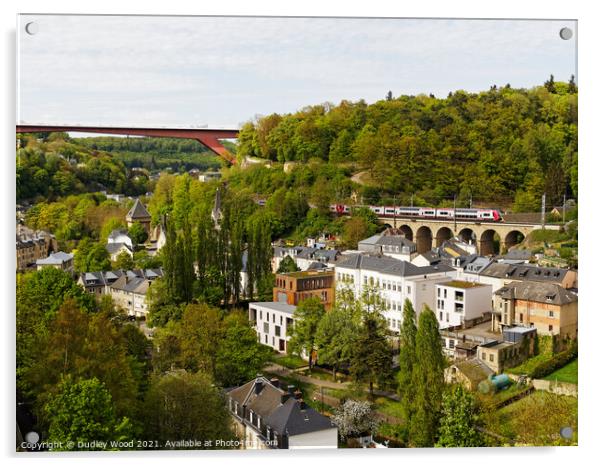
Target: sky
[{"x": 224, "y": 71}]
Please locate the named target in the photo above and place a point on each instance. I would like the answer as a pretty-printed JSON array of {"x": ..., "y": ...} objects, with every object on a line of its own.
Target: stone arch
[
  {"x": 387, "y": 226},
  {"x": 407, "y": 232},
  {"x": 468, "y": 235},
  {"x": 424, "y": 239},
  {"x": 489, "y": 244},
  {"x": 513, "y": 238},
  {"x": 443, "y": 234}
]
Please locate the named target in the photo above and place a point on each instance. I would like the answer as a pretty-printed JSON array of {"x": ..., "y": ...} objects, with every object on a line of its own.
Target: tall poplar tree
[
  {"x": 427, "y": 381},
  {"x": 407, "y": 358}
]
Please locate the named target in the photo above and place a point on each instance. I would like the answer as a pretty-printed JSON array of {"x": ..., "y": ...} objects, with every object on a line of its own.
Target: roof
[
  {"x": 549, "y": 293},
  {"x": 461, "y": 284},
  {"x": 389, "y": 265},
  {"x": 136, "y": 285},
  {"x": 474, "y": 369},
  {"x": 278, "y": 409},
  {"x": 56, "y": 258},
  {"x": 117, "y": 233},
  {"x": 276, "y": 306},
  {"x": 524, "y": 272},
  {"x": 138, "y": 211},
  {"x": 113, "y": 248},
  {"x": 106, "y": 278},
  {"x": 309, "y": 273}
]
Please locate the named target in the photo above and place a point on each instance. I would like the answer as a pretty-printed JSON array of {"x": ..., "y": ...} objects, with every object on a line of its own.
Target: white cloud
[{"x": 129, "y": 70}]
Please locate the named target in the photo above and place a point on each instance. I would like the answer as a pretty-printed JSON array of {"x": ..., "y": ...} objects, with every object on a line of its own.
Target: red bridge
[{"x": 210, "y": 138}]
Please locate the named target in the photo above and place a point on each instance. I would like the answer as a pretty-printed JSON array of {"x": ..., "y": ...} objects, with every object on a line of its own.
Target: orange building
[{"x": 294, "y": 287}]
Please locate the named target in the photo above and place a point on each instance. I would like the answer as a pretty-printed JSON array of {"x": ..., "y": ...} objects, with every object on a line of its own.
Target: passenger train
[{"x": 478, "y": 215}]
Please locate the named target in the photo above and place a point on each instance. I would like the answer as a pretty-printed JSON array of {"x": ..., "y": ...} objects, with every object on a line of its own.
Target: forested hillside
[
  {"x": 52, "y": 165},
  {"x": 505, "y": 145},
  {"x": 156, "y": 153}
]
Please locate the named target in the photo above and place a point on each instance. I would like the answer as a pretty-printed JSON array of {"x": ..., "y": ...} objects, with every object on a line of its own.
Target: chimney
[
  {"x": 258, "y": 386},
  {"x": 291, "y": 389},
  {"x": 275, "y": 382}
]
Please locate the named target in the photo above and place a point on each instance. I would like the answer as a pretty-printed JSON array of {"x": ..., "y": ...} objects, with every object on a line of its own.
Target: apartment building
[
  {"x": 460, "y": 301},
  {"x": 548, "y": 307},
  {"x": 395, "y": 281},
  {"x": 294, "y": 287},
  {"x": 272, "y": 322}
]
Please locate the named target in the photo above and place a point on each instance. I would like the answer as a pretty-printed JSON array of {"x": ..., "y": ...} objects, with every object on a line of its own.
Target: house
[
  {"x": 115, "y": 249},
  {"x": 138, "y": 214},
  {"x": 461, "y": 342},
  {"x": 32, "y": 245},
  {"x": 460, "y": 301},
  {"x": 272, "y": 322},
  {"x": 548, "y": 307},
  {"x": 304, "y": 257},
  {"x": 516, "y": 345},
  {"x": 268, "y": 416},
  {"x": 294, "y": 287},
  {"x": 157, "y": 239},
  {"x": 59, "y": 260},
  {"x": 126, "y": 287},
  {"x": 389, "y": 244},
  {"x": 395, "y": 280},
  {"x": 499, "y": 274},
  {"x": 209, "y": 176},
  {"x": 129, "y": 294},
  {"x": 468, "y": 372},
  {"x": 120, "y": 236}
]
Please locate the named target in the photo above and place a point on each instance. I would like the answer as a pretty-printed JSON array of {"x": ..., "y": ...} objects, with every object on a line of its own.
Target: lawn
[
  {"x": 289, "y": 361},
  {"x": 567, "y": 373},
  {"x": 536, "y": 419}
]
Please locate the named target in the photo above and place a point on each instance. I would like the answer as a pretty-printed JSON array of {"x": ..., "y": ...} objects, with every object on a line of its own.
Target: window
[
  {"x": 438, "y": 292},
  {"x": 277, "y": 330},
  {"x": 520, "y": 317},
  {"x": 444, "y": 293},
  {"x": 265, "y": 339},
  {"x": 267, "y": 316},
  {"x": 266, "y": 327},
  {"x": 550, "y": 328},
  {"x": 491, "y": 357},
  {"x": 550, "y": 313},
  {"x": 409, "y": 290},
  {"x": 280, "y": 320},
  {"x": 452, "y": 344},
  {"x": 441, "y": 316},
  {"x": 446, "y": 317},
  {"x": 274, "y": 318}
]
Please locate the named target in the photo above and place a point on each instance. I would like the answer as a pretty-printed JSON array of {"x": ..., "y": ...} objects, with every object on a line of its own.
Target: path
[{"x": 285, "y": 371}]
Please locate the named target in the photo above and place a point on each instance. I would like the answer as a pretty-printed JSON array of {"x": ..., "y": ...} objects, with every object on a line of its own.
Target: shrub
[{"x": 555, "y": 362}]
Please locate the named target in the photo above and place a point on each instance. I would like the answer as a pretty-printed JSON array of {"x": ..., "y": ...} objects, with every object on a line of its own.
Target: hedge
[{"x": 555, "y": 362}]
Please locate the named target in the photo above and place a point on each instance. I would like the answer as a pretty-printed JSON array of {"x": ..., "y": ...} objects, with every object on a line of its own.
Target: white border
[{"x": 590, "y": 307}]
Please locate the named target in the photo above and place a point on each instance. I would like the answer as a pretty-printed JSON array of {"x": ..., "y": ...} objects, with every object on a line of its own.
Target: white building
[
  {"x": 395, "y": 280},
  {"x": 59, "y": 260},
  {"x": 459, "y": 301},
  {"x": 272, "y": 321}
]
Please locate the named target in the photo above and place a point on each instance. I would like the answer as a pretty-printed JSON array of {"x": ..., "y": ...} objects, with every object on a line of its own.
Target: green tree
[
  {"x": 91, "y": 257},
  {"x": 335, "y": 338},
  {"x": 459, "y": 418},
  {"x": 181, "y": 405},
  {"x": 427, "y": 381},
  {"x": 239, "y": 355},
  {"x": 287, "y": 265},
  {"x": 407, "y": 358},
  {"x": 307, "y": 317},
  {"x": 137, "y": 233},
  {"x": 372, "y": 360},
  {"x": 124, "y": 261},
  {"x": 83, "y": 412}
]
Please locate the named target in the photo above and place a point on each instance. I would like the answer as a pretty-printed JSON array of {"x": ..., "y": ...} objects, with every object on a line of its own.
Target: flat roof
[
  {"x": 461, "y": 284},
  {"x": 276, "y": 306},
  {"x": 308, "y": 273}
]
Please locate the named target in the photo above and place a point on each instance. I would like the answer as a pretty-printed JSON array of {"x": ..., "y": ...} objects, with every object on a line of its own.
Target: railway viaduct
[{"x": 429, "y": 233}]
